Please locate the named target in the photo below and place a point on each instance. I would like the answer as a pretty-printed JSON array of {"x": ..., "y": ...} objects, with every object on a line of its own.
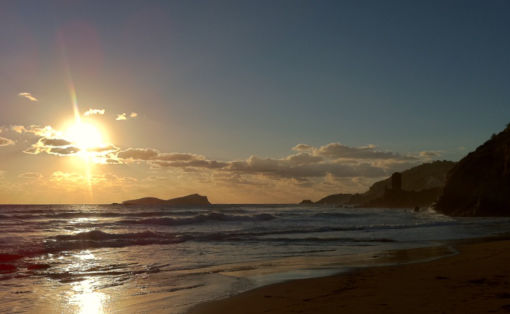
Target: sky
[{"x": 242, "y": 101}]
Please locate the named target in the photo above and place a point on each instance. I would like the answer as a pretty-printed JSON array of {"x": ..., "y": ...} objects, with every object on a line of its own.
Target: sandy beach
[{"x": 475, "y": 281}]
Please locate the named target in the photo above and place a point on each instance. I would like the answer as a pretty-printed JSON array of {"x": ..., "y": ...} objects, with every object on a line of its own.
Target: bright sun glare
[{"x": 85, "y": 136}]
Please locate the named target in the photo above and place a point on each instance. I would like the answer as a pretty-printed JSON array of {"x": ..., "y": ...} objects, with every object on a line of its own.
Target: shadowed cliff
[
  {"x": 420, "y": 186},
  {"x": 479, "y": 185}
]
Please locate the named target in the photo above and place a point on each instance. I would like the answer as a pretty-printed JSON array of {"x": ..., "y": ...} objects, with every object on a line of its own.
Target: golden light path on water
[
  {"x": 85, "y": 136},
  {"x": 85, "y": 298}
]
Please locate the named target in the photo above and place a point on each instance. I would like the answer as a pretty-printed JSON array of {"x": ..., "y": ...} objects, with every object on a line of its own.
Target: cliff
[
  {"x": 406, "y": 199},
  {"x": 479, "y": 185},
  {"x": 336, "y": 199},
  {"x": 423, "y": 177},
  {"x": 420, "y": 186},
  {"x": 189, "y": 200}
]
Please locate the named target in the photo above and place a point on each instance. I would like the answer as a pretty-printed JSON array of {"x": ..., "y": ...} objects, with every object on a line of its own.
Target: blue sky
[{"x": 232, "y": 79}]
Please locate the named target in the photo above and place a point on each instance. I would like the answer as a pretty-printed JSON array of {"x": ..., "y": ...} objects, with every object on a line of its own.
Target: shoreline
[{"x": 473, "y": 280}]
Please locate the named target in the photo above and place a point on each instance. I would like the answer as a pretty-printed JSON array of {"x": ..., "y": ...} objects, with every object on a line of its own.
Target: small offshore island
[{"x": 188, "y": 200}]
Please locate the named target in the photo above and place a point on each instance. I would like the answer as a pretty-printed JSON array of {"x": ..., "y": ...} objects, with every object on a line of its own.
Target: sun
[{"x": 86, "y": 136}]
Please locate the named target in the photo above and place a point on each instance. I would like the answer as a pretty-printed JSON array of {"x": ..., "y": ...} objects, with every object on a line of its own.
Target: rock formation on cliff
[{"x": 423, "y": 177}]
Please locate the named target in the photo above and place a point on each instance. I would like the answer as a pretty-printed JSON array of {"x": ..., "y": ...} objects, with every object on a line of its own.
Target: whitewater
[{"x": 115, "y": 258}]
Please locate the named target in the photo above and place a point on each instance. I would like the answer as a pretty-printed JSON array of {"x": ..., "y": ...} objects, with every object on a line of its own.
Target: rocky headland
[{"x": 479, "y": 185}]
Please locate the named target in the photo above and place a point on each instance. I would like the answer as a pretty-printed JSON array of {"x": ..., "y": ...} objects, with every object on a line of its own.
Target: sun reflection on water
[
  {"x": 85, "y": 297},
  {"x": 88, "y": 300}
]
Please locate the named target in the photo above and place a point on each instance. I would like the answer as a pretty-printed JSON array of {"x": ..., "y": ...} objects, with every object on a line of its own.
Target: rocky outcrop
[
  {"x": 335, "y": 199},
  {"x": 423, "y": 177},
  {"x": 418, "y": 186},
  {"x": 479, "y": 185},
  {"x": 394, "y": 198},
  {"x": 189, "y": 200}
]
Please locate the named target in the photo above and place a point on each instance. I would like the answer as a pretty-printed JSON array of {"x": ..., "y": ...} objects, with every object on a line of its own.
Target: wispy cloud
[
  {"x": 430, "y": 154},
  {"x": 30, "y": 175},
  {"x": 124, "y": 116},
  {"x": 94, "y": 112},
  {"x": 6, "y": 142},
  {"x": 28, "y": 96},
  {"x": 121, "y": 117},
  {"x": 37, "y": 130}
]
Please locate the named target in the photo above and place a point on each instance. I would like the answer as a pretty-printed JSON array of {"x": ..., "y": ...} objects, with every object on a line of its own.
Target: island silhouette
[{"x": 188, "y": 200}]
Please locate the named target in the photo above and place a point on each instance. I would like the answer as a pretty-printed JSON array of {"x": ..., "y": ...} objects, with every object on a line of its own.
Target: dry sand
[{"x": 475, "y": 281}]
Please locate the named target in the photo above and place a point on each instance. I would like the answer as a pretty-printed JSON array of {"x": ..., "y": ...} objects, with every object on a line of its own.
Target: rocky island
[{"x": 188, "y": 200}]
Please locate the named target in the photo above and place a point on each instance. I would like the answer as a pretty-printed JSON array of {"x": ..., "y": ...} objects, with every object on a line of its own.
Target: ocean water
[{"x": 136, "y": 259}]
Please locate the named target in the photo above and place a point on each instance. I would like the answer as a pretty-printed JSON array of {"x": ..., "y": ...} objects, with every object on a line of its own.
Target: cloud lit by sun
[{"x": 28, "y": 96}]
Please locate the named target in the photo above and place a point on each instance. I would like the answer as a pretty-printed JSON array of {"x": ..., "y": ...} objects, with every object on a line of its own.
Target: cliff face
[
  {"x": 420, "y": 185},
  {"x": 479, "y": 185},
  {"x": 189, "y": 200},
  {"x": 423, "y": 177},
  {"x": 335, "y": 199},
  {"x": 406, "y": 199}
]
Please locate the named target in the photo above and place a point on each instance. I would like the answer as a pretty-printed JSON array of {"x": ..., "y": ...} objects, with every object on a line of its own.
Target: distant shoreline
[{"x": 474, "y": 281}]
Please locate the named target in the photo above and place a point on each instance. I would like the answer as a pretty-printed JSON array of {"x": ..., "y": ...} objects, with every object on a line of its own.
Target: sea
[{"x": 162, "y": 259}]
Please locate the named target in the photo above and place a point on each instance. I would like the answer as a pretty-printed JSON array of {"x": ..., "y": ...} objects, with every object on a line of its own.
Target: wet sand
[{"x": 475, "y": 281}]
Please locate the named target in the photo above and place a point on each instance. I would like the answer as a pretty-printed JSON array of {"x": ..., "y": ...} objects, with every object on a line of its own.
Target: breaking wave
[{"x": 203, "y": 218}]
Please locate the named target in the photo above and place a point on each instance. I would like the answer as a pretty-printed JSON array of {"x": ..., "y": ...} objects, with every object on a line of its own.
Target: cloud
[
  {"x": 76, "y": 179},
  {"x": 30, "y": 175},
  {"x": 43, "y": 131},
  {"x": 286, "y": 168},
  {"x": 303, "y": 158},
  {"x": 302, "y": 147},
  {"x": 430, "y": 154},
  {"x": 28, "y": 96},
  {"x": 124, "y": 116},
  {"x": 179, "y": 157},
  {"x": 142, "y": 154},
  {"x": 178, "y": 160},
  {"x": 6, "y": 142},
  {"x": 54, "y": 142},
  {"x": 104, "y": 149},
  {"x": 63, "y": 151},
  {"x": 333, "y": 160},
  {"x": 194, "y": 163},
  {"x": 91, "y": 112},
  {"x": 18, "y": 128},
  {"x": 69, "y": 177},
  {"x": 51, "y": 147},
  {"x": 337, "y": 150}
]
